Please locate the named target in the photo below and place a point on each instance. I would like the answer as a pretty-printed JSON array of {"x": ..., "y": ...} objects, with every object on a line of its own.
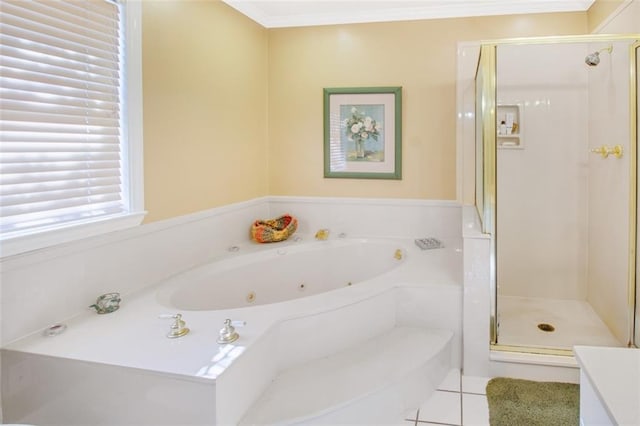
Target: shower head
[{"x": 593, "y": 59}]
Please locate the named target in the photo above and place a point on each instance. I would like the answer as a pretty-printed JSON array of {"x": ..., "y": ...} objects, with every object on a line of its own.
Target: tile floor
[{"x": 458, "y": 401}]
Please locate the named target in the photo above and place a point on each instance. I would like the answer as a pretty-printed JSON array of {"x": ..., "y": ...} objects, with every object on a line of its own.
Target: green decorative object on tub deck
[
  {"x": 274, "y": 230},
  {"x": 107, "y": 303}
]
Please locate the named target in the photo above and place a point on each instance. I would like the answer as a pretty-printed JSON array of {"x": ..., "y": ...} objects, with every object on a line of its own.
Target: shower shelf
[
  {"x": 509, "y": 142},
  {"x": 509, "y": 113}
]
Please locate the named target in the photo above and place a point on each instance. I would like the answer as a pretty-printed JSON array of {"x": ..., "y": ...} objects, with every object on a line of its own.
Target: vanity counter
[{"x": 609, "y": 385}]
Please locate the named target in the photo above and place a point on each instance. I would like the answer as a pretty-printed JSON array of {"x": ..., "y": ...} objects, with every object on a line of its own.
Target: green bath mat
[{"x": 514, "y": 402}]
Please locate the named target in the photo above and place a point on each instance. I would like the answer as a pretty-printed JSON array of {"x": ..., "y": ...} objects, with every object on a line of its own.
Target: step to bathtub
[{"x": 371, "y": 383}]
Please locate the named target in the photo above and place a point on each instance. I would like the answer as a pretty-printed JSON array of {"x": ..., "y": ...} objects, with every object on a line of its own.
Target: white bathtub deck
[
  {"x": 424, "y": 291},
  {"x": 134, "y": 336}
]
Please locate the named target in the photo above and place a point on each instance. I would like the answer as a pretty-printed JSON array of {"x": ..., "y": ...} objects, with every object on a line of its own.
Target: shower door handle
[{"x": 606, "y": 150}]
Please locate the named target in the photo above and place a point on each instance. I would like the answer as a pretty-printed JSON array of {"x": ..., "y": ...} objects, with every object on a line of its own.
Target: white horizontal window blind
[{"x": 60, "y": 108}]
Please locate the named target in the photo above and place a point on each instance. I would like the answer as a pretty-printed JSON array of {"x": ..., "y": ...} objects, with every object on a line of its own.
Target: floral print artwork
[{"x": 362, "y": 135}]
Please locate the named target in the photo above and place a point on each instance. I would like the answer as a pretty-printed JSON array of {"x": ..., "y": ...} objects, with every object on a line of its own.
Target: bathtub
[
  {"x": 281, "y": 273},
  {"x": 301, "y": 300}
]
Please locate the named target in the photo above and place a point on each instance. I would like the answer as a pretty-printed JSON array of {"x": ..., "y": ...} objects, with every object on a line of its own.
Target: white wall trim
[
  {"x": 56, "y": 283},
  {"x": 60, "y": 235},
  {"x": 74, "y": 245},
  {"x": 203, "y": 215},
  {"x": 84, "y": 240},
  {"x": 363, "y": 201}
]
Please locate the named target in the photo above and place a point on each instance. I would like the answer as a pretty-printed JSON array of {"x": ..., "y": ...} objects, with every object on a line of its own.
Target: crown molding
[{"x": 276, "y": 14}]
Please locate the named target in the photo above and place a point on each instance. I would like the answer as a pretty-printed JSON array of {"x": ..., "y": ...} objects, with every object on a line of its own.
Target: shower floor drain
[{"x": 546, "y": 327}]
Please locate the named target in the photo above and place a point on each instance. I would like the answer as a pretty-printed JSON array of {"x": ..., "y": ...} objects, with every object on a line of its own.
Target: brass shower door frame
[
  {"x": 634, "y": 120},
  {"x": 486, "y": 145},
  {"x": 488, "y": 217}
]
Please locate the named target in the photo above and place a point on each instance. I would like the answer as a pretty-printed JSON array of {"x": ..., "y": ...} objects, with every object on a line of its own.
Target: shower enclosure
[{"x": 556, "y": 188}]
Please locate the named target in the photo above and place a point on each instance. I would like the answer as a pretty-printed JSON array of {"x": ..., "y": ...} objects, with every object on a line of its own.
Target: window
[{"x": 70, "y": 163}]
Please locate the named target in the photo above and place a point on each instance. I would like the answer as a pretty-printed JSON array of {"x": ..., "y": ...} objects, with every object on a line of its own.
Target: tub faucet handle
[
  {"x": 228, "y": 333},
  {"x": 178, "y": 328}
]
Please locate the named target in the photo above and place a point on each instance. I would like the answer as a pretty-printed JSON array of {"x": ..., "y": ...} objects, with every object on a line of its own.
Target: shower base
[{"x": 574, "y": 323}]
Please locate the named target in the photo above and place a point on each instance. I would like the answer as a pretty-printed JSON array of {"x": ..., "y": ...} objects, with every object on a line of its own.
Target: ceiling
[{"x": 296, "y": 13}]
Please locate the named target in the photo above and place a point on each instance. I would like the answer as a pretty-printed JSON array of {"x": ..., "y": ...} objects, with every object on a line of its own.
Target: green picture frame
[{"x": 363, "y": 132}]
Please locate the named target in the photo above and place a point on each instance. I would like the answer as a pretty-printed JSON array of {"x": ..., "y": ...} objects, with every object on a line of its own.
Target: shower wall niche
[{"x": 509, "y": 127}]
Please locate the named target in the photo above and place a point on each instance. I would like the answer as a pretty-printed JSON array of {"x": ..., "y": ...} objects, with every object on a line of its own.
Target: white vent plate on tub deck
[
  {"x": 429, "y": 243},
  {"x": 309, "y": 393}
]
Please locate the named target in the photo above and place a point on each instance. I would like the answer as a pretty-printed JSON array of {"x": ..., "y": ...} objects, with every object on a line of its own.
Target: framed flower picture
[{"x": 363, "y": 132}]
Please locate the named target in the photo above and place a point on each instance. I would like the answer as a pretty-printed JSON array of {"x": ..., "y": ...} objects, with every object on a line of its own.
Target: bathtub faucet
[
  {"x": 178, "y": 328},
  {"x": 322, "y": 234}
]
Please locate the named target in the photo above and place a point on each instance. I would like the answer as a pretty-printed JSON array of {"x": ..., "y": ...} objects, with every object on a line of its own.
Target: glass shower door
[
  {"x": 565, "y": 275},
  {"x": 486, "y": 160}
]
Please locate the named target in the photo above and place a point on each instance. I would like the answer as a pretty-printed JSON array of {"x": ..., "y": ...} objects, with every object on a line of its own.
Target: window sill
[{"x": 20, "y": 244}]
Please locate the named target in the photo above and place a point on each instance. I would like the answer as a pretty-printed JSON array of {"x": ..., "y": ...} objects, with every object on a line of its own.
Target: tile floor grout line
[
  {"x": 446, "y": 390},
  {"x": 413, "y": 420},
  {"x": 474, "y": 393},
  {"x": 439, "y": 423}
]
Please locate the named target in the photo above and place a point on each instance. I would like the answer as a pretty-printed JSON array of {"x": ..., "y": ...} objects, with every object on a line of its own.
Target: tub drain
[
  {"x": 546, "y": 327},
  {"x": 251, "y": 297}
]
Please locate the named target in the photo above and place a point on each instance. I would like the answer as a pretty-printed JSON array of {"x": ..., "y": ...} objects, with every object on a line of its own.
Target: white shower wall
[
  {"x": 563, "y": 212},
  {"x": 542, "y": 219},
  {"x": 609, "y": 189}
]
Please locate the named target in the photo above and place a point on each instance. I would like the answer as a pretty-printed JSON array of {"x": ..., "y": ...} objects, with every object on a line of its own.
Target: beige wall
[
  {"x": 625, "y": 19},
  {"x": 420, "y": 56},
  {"x": 600, "y": 10},
  {"x": 205, "y": 107},
  {"x": 233, "y": 111}
]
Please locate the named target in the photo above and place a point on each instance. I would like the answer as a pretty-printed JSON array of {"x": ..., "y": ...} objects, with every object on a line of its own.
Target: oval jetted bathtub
[
  {"x": 340, "y": 302},
  {"x": 281, "y": 273},
  {"x": 368, "y": 327}
]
